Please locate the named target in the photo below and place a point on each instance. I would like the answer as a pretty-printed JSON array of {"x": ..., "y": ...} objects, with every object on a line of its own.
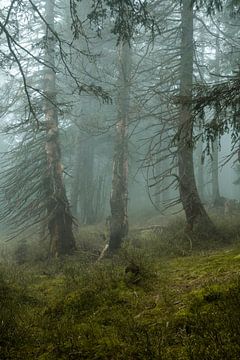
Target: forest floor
[{"x": 183, "y": 302}]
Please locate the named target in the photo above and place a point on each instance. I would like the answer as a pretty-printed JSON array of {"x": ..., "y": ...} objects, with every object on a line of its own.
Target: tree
[
  {"x": 76, "y": 175},
  {"x": 127, "y": 16},
  {"x": 217, "y": 103},
  {"x": 59, "y": 216},
  {"x": 194, "y": 210},
  {"x": 36, "y": 158},
  {"x": 119, "y": 194},
  {"x": 216, "y": 198}
]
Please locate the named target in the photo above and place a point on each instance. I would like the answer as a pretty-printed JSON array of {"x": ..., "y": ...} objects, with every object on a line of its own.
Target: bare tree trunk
[
  {"x": 76, "y": 177},
  {"x": 59, "y": 215},
  {"x": 119, "y": 194},
  {"x": 194, "y": 210},
  {"x": 216, "y": 198},
  {"x": 99, "y": 203},
  {"x": 87, "y": 182},
  {"x": 199, "y": 148},
  {"x": 161, "y": 192},
  {"x": 158, "y": 187},
  {"x": 200, "y": 170}
]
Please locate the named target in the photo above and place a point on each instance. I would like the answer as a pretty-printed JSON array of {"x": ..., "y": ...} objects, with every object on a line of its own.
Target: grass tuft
[{"x": 156, "y": 299}]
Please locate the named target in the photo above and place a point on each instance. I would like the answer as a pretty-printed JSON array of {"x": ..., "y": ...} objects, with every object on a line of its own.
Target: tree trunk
[
  {"x": 194, "y": 210},
  {"x": 199, "y": 148},
  {"x": 119, "y": 194},
  {"x": 76, "y": 176},
  {"x": 60, "y": 219},
  {"x": 200, "y": 170},
  {"x": 161, "y": 192},
  {"x": 87, "y": 183},
  {"x": 216, "y": 198},
  {"x": 158, "y": 187}
]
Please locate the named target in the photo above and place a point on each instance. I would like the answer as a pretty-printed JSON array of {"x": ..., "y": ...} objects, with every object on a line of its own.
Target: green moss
[{"x": 184, "y": 307}]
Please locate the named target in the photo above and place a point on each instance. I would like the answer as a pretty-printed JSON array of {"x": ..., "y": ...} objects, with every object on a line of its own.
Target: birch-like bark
[
  {"x": 59, "y": 216},
  {"x": 75, "y": 189}
]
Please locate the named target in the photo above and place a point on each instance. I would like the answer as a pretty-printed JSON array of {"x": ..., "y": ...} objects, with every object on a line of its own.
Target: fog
[
  {"x": 101, "y": 104},
  {"x": 119, "y": 153}
]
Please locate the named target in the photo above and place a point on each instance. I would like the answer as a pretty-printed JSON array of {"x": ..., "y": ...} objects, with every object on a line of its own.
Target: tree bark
[
  {"x": 119, "y": 194},
  {"x": 216, "y": 198},
  {"x": 75, "y": 189},
  {"x": 161, "y": 192},
  {"x": 200, "y": 170},
  {"x": 194, "y": 210},
  {"x": 59, "y": 216}
]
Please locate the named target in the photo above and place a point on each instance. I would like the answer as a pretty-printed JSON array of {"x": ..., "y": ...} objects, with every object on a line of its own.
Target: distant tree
[
  {"x": 200, "y": 170},
  {"x": 76, "y": 174},
  {"x": 127, "y": 17},
  {"x": 217, "y": 103},
  {"x": 216, "y": 198}
]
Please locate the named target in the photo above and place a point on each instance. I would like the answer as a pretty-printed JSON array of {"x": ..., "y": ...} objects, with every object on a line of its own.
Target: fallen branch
[{"x": 103, "y": 252}]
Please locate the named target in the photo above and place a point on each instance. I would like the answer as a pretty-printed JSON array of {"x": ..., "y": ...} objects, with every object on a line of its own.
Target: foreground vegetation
[{"x": 178, "y": 300}]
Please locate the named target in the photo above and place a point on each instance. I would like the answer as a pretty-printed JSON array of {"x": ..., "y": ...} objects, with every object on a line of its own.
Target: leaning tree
[{"x": 33, "y": 189}]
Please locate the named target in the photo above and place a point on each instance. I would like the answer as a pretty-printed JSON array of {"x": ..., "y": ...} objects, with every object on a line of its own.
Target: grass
[{"x": 182, "y": 304}]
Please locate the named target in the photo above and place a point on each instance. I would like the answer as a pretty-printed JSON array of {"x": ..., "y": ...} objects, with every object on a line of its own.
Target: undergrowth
[{"x": 147, "y": 302}]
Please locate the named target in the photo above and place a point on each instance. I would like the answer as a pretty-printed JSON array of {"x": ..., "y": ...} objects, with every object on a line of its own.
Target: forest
[{"x": 119, "y": 179}]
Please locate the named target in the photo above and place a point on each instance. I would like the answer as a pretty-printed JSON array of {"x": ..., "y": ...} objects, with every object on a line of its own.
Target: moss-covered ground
[{"x": 181, "y": 304}]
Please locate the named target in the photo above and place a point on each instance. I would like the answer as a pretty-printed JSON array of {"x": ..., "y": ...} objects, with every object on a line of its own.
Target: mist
[{"x": 120, "y": 175}]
